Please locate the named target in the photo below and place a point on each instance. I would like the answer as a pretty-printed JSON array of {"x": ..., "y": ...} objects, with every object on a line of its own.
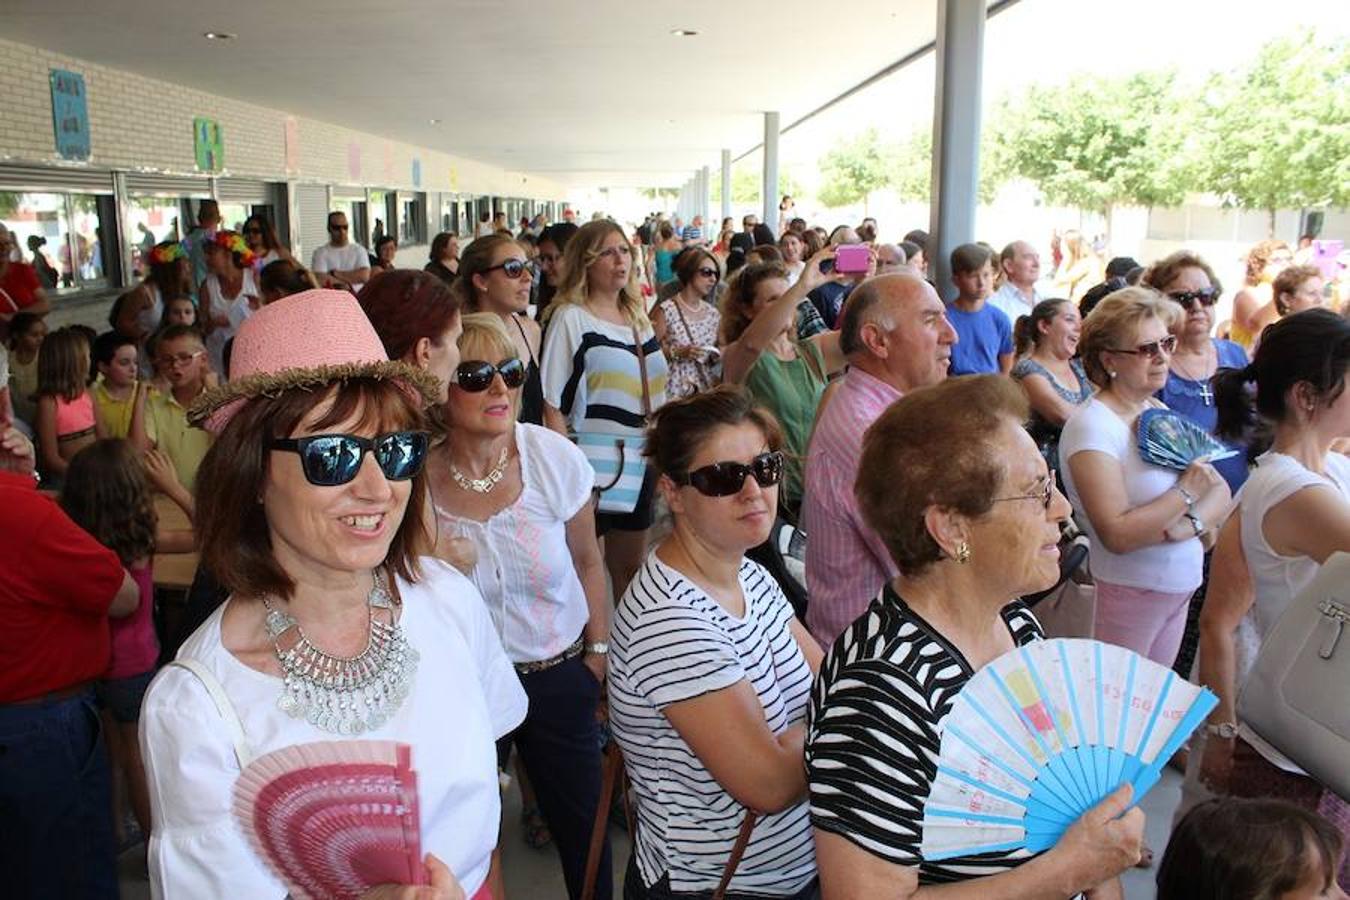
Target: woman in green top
[{"x": 760, "y": 350}]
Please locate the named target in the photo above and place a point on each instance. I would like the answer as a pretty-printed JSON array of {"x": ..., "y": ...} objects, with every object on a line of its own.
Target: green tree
[
  {"x": 1096, "y": 143},
  {"x": 855, "y": 168},
  {"x": 912, "y": 178},
  {"x": 1277, "y": 134},
  {"x": 745, "y": 186}
]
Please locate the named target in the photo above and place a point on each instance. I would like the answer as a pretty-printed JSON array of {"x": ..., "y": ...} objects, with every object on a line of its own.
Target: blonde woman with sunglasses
[{"x": 1146, "y": 524}]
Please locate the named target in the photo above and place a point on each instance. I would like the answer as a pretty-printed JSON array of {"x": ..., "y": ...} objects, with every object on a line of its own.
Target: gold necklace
[{"x": 482, "y": 485}]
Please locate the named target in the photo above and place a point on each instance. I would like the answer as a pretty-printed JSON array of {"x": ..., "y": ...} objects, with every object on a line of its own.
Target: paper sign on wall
[
  {"x": 208, "y": 140},
  {"x": 70, "y": 114}
]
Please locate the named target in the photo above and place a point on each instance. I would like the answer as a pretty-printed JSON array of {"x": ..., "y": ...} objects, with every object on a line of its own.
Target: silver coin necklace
[{"x": 340, "y": 694}]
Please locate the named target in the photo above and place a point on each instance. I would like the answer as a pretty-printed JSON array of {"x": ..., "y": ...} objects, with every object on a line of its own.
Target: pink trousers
[{"x": 1148, "y": 622}]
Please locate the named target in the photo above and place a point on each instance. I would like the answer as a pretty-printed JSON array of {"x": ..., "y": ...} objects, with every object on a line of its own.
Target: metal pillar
[
  {"x": 726, "y": 184},
  {"x": 956, "y": 135},
  {"x": 769, "y": 189},
  {"x": 704, "y": 200}
]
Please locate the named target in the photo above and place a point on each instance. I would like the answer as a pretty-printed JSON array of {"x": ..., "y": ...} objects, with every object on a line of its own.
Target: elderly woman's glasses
[
  {"x": 1155, "y": 349},
  {"x": 726, "y": 478},
  {"x": 332, "y": 459},
  {"x": 1043, "y": 495},
  {"x": 512, "y": 268},
  {"x": 475, "y": 376},
  {"x": 1188, "y": 299}
]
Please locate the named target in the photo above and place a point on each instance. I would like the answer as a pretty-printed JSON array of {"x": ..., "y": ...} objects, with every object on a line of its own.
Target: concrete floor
[{"x": 534, "y": 874}]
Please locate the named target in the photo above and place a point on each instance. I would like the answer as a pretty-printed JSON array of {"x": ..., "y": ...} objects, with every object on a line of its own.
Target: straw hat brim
[{"x": 213, "y": 409}]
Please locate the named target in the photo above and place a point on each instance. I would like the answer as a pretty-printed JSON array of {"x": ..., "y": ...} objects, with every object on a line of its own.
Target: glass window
[
  {"x": 67, "y": 232},
  {"x": 412, "y": 220},
  {"x": 151, "y": 220},
  {"x": 232, "y": 215}
]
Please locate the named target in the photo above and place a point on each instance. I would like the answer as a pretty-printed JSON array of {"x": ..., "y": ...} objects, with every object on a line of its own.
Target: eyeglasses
[
  {"x": 179, "y": 359},
  {"x": 708, "y": 273},
  {"x": 1155, "y": 349},
  {"x": 1188, "y": 299},
  {"x": 1044, "y": 495},
  {"x": 329, "y": 460},
  {"x": 512, "y": 268},
  {"x": 726, "y": 478},
  {"x": 474, "y": 375}
]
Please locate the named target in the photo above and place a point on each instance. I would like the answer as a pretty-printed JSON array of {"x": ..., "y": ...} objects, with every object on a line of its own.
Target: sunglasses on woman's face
[
  {"x": 475, "y": 375},
  {"x": 1155, "y": 349},
  {"x": 333, "y": 459},
  {"x": 512, "y": 268},
  {"x": 724, "y": 479},
  {"x": 1188, "y": 299},
  {"x": 708, "y": 273}
]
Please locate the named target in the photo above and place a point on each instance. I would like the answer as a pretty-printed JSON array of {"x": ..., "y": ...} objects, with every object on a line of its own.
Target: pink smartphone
[{"x": 851, "y": 259}]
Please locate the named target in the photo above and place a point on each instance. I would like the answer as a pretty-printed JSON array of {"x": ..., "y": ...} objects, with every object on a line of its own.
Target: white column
[
  {"x": 769, "y": 190},
  {"x": 726, "y": 184}
]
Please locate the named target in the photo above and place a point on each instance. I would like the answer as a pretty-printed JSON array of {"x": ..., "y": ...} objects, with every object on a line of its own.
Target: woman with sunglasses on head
[
  {"x": 604, "y": 371},
  {"x": 1189, "y": 281},
  {"x": 496, "y": 276},
  {"x": 710, "y": 671},
  {"x": 687, "y": 324},
  {"x": 1145, "y": 523},
  {"x": 521, "y": 493},
  {"x": 310, "y": 511}
]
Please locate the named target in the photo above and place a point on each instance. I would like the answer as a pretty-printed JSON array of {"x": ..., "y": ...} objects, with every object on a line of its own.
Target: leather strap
[
  {"x": 698, "y": 363},
  {"x": 242, "y": 751},
  {"x": 642, "y": 368},
  {"x": 737, "y": 851}
]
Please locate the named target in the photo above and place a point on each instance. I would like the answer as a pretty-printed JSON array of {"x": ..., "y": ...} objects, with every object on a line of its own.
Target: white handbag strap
[{"x": 242, "y": 751}]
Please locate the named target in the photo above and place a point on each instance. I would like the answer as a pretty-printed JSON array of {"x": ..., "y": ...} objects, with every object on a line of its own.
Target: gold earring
[{"x": 963, "y": 553}]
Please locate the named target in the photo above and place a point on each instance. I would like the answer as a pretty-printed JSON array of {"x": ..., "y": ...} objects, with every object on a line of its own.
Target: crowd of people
[{"x": 545, "y": 499}]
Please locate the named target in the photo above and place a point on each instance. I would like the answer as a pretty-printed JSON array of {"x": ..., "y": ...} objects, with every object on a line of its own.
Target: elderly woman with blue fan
[
  {"x": 971, "y": 516},
  {"x": 1147, "y": 522}
]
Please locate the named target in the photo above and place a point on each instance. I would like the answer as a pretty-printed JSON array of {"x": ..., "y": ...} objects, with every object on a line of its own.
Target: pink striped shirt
[{"x": 846, "y": 562}]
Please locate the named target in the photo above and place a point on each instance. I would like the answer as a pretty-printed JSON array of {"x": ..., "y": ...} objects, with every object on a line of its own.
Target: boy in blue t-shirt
[{"x": 985, "y": 344}]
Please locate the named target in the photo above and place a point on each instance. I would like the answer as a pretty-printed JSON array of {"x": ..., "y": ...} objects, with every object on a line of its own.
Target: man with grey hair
[
  {"x": 894, "y": 332},
  {"x": 1021, "y": 266},
  {"x": 890, "y": 258}
]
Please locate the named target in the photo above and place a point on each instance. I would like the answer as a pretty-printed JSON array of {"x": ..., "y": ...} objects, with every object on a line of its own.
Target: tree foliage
[
  {"x": 854, "y": 168},
  {"x": 1277, "y": 133},
  {"x": 745, "y": 186},
  {"x": 912, "y": 176},
  {"x": 1096, "y": 143}
]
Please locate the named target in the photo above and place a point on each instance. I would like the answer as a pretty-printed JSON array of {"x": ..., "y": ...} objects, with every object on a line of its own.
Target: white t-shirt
[
  {"x": 236, "y": 310},
  {"x": 1011, "y": 301},
  {"x": 525, "y": 570},
  {"x": 1171, "y": 567},
  {"x": 672, "y": 642},
  {"x": 465, "y": 695},
  {"x": 341, "y": 259},
  {"x": 1276, "y": 579}
]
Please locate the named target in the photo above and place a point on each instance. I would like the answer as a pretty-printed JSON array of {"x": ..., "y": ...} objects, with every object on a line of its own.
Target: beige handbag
[{"x": 1295, "y": 695}]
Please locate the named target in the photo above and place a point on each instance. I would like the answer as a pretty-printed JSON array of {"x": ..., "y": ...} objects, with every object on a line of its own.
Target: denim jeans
[{"x": 55, "y": 802}]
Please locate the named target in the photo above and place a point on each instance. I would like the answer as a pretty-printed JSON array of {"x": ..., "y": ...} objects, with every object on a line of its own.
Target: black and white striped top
[
  {"x": 873, "y": 736},
  {"x": 671, "y": 642}
]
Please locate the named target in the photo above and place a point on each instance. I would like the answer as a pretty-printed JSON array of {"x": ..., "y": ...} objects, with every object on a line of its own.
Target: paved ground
[{"x": 534, "y": 874}]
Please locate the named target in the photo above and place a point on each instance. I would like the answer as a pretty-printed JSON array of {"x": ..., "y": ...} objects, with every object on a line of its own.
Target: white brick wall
[{"x": 146, "y": 124}]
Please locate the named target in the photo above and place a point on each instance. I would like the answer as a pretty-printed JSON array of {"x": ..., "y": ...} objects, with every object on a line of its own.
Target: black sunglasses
[
  {"x": 332, "y": 459},
  {"x": 475, "y": 375},
  {"x": 1188, "y": 299},
  {"x": 726, "y": 478},
  {"x": 512, "y": 268},
  {"x": 708, "y": 273}
]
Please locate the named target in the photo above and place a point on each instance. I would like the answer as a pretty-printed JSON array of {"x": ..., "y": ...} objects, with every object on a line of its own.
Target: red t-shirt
[
  {"x": 56, "y": 584},
  {"x": 18, "y": 288}
]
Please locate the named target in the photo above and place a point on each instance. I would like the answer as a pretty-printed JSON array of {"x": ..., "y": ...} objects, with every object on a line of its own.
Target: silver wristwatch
[
  {"x": 1186, "y": 496},
  {"x": 599, "y": 648},
  {"x": 1225, "y": 730}
]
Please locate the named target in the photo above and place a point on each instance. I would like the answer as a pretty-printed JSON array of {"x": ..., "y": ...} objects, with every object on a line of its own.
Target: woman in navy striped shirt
[{"x": 709, "y": 671}]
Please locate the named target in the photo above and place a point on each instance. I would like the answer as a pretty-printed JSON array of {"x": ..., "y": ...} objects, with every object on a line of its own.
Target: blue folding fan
[
  {"x": 1044, "y": 733},
  {"x": 1170, "y": 440}
]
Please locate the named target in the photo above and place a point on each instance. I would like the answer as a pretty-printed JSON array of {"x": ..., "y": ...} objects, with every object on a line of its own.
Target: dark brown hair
[
  {"x": 1027, "y": 329},
  {"x": 1240, "y": 849},
  {"x": 680, "y": 427},
  {"x": 740, "y": 297},
  {"x": 690, "y": 261},
  {"x": 405, "y": 306},
  {"x": 106, "y": 493},
  {"x": 1163, "y": 272},
  {"x": 971, "y": 258},
  {"x": 933, "y": 447},
  {"x": 284, "y": 277},
  {"x": 1289, "y": 281},
  {"x": 231, "y": 519},
  {"x": 63, "y": 364}
]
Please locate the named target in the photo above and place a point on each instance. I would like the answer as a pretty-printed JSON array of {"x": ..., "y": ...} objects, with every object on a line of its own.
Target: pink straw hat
[{"x": 308, "y": 340}]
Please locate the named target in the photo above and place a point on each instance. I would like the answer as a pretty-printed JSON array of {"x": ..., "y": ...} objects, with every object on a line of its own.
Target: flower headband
[
  {"x": 167, "y": 252},
  {"x": 235, "y": 243}
]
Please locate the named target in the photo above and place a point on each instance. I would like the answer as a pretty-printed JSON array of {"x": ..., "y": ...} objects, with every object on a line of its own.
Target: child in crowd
[
  {"x": 985, "y": 344},
  {"x": 161, "y": 420},
  {"x": 26, "y": 333},
  {"x": 114, "y": 392},
  {"x": 66, "y": 423},
  {"x": 1235, "y": 849},
  {"x": 106, "y": 493},
  {"x": 179, "y": 311}
]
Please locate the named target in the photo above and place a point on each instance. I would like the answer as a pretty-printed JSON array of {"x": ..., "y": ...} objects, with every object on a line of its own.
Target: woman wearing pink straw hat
[{"x": 309, "y": 510}]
